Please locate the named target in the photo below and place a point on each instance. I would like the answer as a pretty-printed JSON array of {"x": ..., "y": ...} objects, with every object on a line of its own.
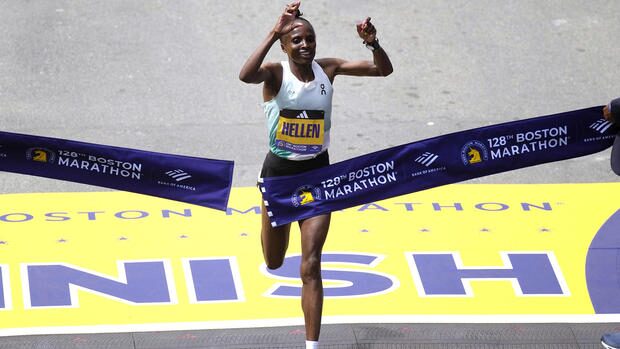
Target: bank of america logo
[
  {"x": 178, "y": 175},
  {"x": 601, "y": 125},
  {"x": 302, "y": 115},
  {"x": 426, "y": 159}
]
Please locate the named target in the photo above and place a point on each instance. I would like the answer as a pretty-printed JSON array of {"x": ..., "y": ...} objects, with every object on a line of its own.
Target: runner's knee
[
  {"x": 310, "y": 269},
  {"x": 273, "y": 263},
  {"x": 273, "y": 260}
]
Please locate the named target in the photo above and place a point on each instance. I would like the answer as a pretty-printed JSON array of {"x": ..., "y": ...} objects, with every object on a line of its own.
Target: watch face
[{"x": 373, "y": 45}]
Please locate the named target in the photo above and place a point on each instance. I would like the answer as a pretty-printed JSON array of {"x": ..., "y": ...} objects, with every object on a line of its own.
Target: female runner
[{"x": 297, "y": 96}]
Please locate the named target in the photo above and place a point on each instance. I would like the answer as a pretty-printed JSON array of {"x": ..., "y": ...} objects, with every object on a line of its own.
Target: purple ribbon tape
[
  {"x": 199, "y": 181},
  {"x": 437, "y": 161}
]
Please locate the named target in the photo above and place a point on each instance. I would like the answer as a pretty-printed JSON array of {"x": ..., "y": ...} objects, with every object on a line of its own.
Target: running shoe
[{"x": 611, "y": 340}]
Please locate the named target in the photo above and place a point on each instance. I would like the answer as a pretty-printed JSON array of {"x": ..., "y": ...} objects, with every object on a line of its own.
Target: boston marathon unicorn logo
[
  {"x": 40, "y": 155},
  {"x": 474, "y": 152},
  {"x": 305, "y": 195},
  {"x": 474, "y": 156}
]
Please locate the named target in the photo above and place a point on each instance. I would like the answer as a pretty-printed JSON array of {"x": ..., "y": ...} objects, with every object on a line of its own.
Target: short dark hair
[{"x": 298, "y": 15}]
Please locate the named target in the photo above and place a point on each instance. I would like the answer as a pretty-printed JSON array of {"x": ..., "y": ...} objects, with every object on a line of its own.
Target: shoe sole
[{"x": 607, "y": 346}]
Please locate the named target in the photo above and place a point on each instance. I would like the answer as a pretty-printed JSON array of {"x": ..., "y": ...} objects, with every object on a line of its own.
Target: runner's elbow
[
  {"x": 385, "y": 72},
  {"x": 247, "y": 78}
]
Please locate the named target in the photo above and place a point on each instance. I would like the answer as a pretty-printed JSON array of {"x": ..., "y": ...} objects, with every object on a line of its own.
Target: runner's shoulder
[
  {"x": 274, "y": 70},
  {"x": 330, "y": 66},
  {"x": 330, "y": 62}
]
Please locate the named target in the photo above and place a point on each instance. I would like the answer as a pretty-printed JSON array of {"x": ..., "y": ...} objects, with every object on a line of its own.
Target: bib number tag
[{"x": 301, "y": 131}]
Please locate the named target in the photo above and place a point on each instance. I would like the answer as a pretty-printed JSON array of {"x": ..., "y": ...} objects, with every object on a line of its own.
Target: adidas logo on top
[
  {"x": 302, "y": 115},
  {"x": 179, "y": 175},
  {"x": 601, "y": 125},
  {"x": 426, "y": 159}
]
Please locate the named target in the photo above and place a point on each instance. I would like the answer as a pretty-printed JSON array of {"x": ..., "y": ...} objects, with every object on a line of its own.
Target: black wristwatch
[{"x": 372, "y": 45}]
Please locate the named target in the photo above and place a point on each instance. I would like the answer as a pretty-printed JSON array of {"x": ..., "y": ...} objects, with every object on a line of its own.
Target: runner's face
[{"x": 300, "y": 43}]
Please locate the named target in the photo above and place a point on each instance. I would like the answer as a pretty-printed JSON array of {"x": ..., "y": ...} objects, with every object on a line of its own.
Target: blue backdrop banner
[
  {"x": 203, "y": 182},
  {"x": 437, "y": 161}
]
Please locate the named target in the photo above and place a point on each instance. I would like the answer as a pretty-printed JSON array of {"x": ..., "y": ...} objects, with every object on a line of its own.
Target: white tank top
[{"x": 299, "y": 117}]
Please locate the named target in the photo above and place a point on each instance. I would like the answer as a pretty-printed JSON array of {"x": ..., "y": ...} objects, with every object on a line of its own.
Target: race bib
[{"x": 301, "y": 131}]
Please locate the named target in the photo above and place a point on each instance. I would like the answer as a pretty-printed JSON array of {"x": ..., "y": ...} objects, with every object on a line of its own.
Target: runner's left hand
[
  {"x": 607, "y": 114},
  {"x": 367, "y": 30}
]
